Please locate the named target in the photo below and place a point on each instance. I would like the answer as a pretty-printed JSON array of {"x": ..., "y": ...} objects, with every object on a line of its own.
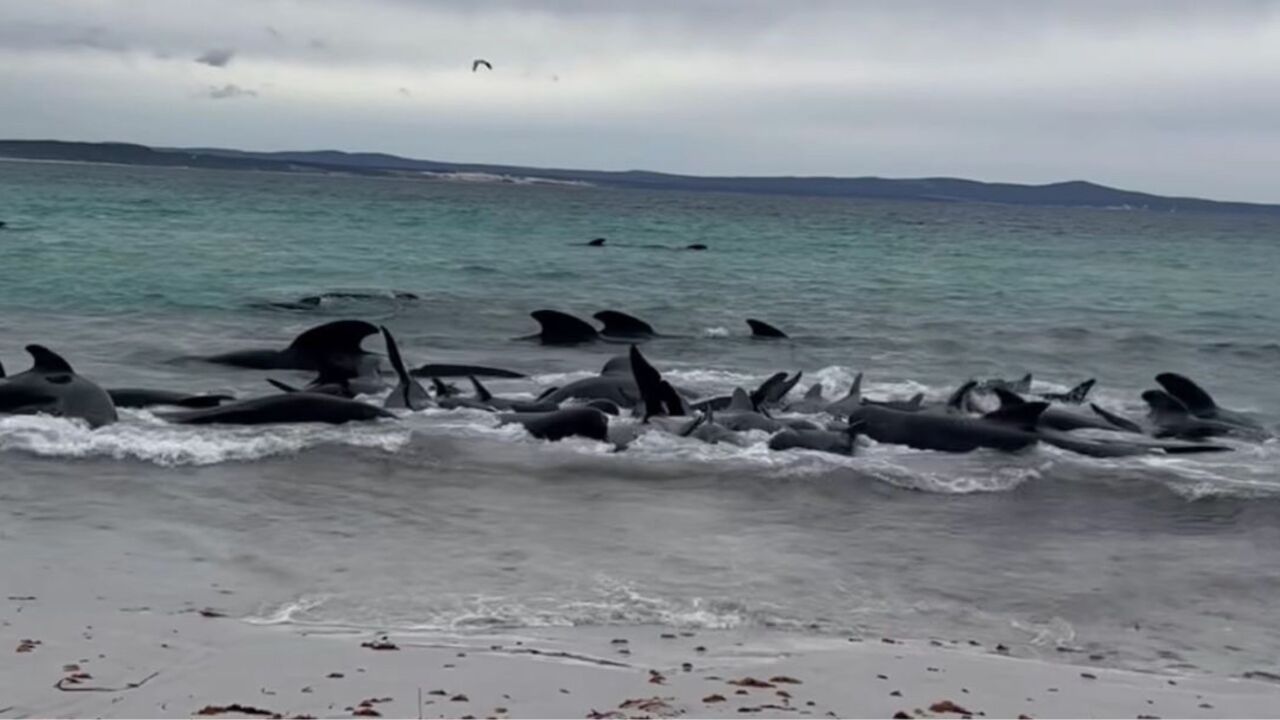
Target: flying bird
[{"x": 475, "y": 65}]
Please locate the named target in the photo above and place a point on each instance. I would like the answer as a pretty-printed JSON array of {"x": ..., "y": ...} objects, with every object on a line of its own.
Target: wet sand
[{"x": 65, "y": 654}]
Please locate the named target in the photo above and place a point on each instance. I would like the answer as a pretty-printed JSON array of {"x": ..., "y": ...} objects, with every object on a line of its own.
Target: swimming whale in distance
[
  {"x": 52, "y": 387},
  {"x": 559, "y": 328},
  {"x": 559, "y": 424},
  {"x": 298, "y": 407},
  {"x": 696, "y": 246},
  {"x": 143, "y": 398},
  {"x": 407, "y": 394},
  {"x": 598, "y": 242},
  {"x": 623, "y": 326},
  {"x": 333, "y": 344},
  {"x": 761, "y": 329},
  {"x": 311, "y": 302}
]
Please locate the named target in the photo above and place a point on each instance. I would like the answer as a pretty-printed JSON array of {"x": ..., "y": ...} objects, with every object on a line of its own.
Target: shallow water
[{"x": 441, "y": 520}]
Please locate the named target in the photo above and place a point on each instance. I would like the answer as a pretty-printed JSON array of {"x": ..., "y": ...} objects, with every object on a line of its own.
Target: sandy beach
[{"x": 116, "y": 655}]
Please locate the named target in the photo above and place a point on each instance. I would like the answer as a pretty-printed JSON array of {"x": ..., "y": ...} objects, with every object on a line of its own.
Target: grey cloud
[
  {"x": 230, "y": 92},
  {"x": 1162, "y": 95},
  {"x": 217, "y": 57}
]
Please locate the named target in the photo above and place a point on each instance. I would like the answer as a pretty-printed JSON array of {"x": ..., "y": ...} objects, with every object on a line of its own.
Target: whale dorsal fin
[
  {"x": 740, "y": 402},
  {"x": 341, "y": 337},
  {"x": 1022, "y": 385},
  {"x": 1162, "y": 402},
  {"x": 562, "y": 328},
  {"x": 482, "y": 392},
  {"x": 815, "y": 392},
  {"x": 546, "y": 393},
  {"x": 615, "y": 365},
  {"x": 649, "y": 381},
  {"x": 45, "y": 360},
  {"x": 916, "y": 402},
  {"x": 759, "y": 328},
  {"x": 1187, "y": 392},
  {"x": 620, "y": 323},
  {"x": 1, "y": 370},
  {"x": 1023, "y": 416}
]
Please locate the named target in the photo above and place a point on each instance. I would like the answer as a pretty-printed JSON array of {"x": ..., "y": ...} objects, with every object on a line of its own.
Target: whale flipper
[
  {"x": 1074, "y": 396},
  {"x": 620, "y": 324},
  {"x": 815, "y": 392},
  {"x": 407, "y": 393},
  {"x": 482, "y": 392},
  {"x": 446, "y": 370},
  {"x": 763, "y": 329},
  {"x": 1191, "y": 395},
  {"x": 562, "y": 328}
]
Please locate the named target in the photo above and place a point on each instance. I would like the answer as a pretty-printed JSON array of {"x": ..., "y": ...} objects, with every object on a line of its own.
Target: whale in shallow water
[
  {"x": 1201, "y": 405},
  {"x": 143, "y": 398},
  {"x": 559, "y": 424},
  {"x": 828, "y": 441},
  {"x": 334, "y": 345},
  {"x": 447, "y": 370},
  {"x": 1008, "y": 429},
  {"x": 1056, "y": 417},
  {"x": 52, "y": 387},
  {"x": 298, "y": 407}
]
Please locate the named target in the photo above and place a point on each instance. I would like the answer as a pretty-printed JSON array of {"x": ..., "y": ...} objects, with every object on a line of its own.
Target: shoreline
[{"x": 105, "y": 657}]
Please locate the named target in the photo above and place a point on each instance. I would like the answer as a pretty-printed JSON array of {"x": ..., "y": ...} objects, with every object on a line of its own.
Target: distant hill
[{"x": 1076, "y": 193}]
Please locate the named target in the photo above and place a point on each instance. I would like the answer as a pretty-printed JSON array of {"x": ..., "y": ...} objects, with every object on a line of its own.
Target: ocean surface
[{"x": 443, "y": 522}]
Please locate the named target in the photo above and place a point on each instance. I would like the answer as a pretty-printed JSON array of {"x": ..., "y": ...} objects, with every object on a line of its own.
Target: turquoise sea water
[{"x": 444, "y": 521}]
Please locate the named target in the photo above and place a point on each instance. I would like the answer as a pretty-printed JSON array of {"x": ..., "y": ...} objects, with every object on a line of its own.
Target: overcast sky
[{"x": 1164, "y": 96}]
